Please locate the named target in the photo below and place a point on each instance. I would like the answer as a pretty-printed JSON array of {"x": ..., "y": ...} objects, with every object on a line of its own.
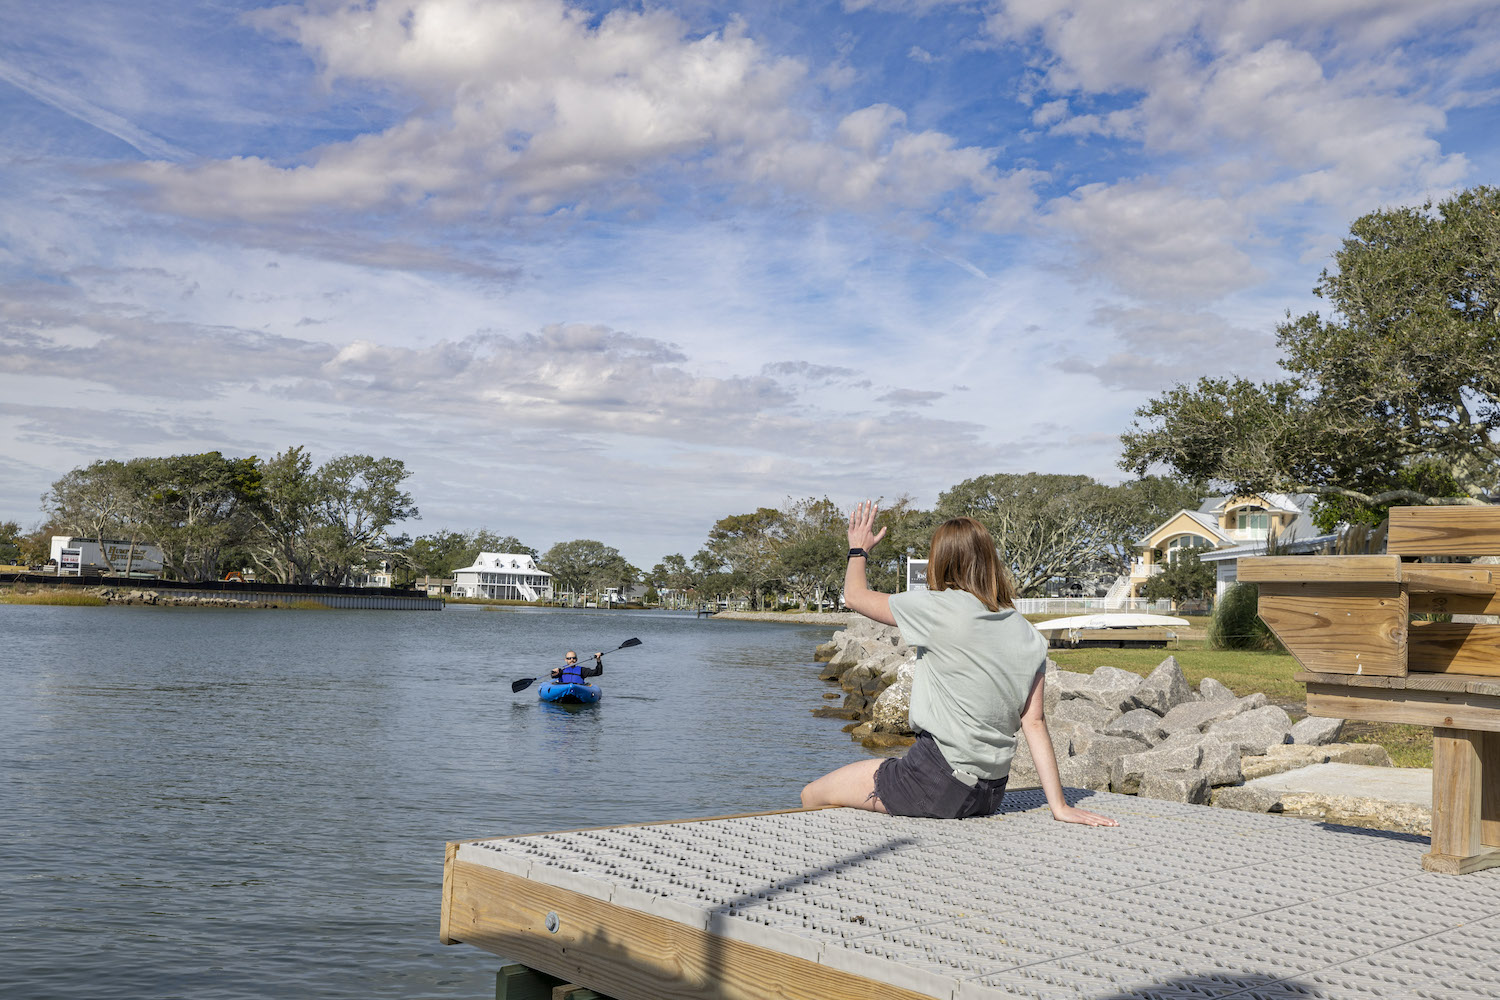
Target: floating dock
[{"x": 1177, "y": 902}]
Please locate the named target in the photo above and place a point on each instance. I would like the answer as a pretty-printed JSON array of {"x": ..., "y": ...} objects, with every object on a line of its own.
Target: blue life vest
[{"x": 571, "y": 674}]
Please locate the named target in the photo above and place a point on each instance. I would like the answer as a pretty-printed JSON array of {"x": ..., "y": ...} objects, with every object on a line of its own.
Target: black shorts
[{"x": 921, "y": 783}]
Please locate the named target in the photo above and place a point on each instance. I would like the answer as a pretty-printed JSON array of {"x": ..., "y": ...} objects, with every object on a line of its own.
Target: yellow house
[{"x": 1220, "y": 523}]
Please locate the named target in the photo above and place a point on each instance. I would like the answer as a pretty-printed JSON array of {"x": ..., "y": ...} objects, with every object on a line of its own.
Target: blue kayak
[{"x": 568, "y": 694}]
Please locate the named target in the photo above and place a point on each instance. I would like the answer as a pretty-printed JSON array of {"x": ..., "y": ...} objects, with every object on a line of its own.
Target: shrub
[{"x": 1236, "y": 625}]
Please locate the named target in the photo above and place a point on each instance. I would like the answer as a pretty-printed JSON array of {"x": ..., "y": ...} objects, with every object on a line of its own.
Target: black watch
[{"x": 857, "y": 552}]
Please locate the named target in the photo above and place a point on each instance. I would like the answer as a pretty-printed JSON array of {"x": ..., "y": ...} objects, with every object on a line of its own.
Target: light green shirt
[{"x": 975, "y": 668}]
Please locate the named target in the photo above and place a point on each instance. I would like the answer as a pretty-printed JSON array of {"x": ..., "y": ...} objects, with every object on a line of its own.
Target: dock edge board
[{"x": 627, "y": 954}]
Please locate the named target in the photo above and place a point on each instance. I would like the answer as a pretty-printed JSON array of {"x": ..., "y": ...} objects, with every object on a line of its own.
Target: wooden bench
[{"x": 1347, "y": 620}]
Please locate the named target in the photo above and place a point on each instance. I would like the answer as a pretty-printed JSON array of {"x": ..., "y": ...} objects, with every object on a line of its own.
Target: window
[
  {"x": 1252, "y": 519},
  {"x": 1183, "y": 542}
]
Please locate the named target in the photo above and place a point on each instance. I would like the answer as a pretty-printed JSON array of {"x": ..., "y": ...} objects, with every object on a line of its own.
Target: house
[
  {"x": 435, "y": 586},
  {"x": 1229, "y": 527},
  {"x": 503, "y": 575}
]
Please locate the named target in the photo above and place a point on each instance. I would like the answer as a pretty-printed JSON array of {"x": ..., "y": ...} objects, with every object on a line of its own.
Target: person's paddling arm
[
  {"x": 857, "y": 593},
  {"x": 1034, "y": 726}
]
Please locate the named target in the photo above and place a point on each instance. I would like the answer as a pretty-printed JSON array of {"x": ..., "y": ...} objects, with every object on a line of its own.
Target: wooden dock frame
[
  {"x": 578, "y": 939},
  {"x": 1347, "y": 621}
]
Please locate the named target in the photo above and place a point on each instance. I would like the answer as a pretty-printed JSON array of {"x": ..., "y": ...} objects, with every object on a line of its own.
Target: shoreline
[{"x": 832, "y": 619}]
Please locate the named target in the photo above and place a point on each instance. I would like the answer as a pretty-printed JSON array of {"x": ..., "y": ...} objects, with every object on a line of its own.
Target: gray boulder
[
  {"x": 1164, "y": 688},
  {"x": 1091, "y": 743},
  {"x": 1196, "y": 715},
  {"x": 1220, "y": 762},
  {"x": 1255, "y": 730},
  {"x": 1083, "y": 711},
  {"x": 1188, "y": 786},
  {"x": 1069, "y": 685},
  {"x": 1113, "y": 688},
  {"x": 1140, "y": 724},
  {"x": 1315, "y": 732},
  {"x": 891, "y": 712},
  {"x": 1211, "y": 690},
  {"x": 1088, "y": 771},
  {"x": 1051, "y": 695},
  {"x": 1128, "y": 771}
]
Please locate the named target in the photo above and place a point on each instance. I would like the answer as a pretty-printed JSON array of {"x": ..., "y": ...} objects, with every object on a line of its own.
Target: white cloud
[
  {"x": 1157, "y": 241},
  {"x": 532, "y": 106}
]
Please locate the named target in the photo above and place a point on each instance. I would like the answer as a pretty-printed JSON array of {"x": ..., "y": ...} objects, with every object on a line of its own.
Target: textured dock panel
[{"x": 1177, "y": 902}]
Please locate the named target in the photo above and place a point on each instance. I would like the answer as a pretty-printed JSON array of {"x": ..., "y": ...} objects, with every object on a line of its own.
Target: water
[{"x": 223, "y": 804}]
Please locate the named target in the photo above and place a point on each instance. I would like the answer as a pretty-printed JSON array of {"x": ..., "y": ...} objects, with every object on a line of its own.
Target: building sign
[
  {"x": 916, "y": 574},
  {"x": 68, "y": 560}
]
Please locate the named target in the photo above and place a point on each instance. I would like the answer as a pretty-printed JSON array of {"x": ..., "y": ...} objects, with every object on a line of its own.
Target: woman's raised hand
[{"x": 862, "y": 534}]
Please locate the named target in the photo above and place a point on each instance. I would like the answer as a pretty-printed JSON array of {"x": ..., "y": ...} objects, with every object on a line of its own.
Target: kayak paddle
[{"x": 526, "y": 682}]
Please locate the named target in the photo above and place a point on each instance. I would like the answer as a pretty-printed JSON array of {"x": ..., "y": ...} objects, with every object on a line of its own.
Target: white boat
[{"x": 1077, "y": 622}]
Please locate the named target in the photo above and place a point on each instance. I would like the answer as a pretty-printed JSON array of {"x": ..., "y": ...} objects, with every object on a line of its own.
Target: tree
[
  {"x": 442, "y": 552},
  {"x": 92, "y": 502},
  {"x": 285, "y": 510},
  {"x": 1395, "y": 399},
  {"x": 1046, "y": 526},
  {"x": 192, "y": 507},
  {"x": 359, "y": 497},
  {"x": 809, "y": 545},
  {"x": 1185, "y": 577},
  {"x": 11, "y": 538},
  {"x": 742, "y": 548},
  {"x": 584, "y": 565}
]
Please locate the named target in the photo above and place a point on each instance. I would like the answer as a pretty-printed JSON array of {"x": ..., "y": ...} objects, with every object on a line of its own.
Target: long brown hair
[{"x": 964, "y": 558}]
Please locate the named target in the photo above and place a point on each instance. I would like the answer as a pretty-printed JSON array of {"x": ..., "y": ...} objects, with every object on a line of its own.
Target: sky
[{"x": 617, "y": 271}]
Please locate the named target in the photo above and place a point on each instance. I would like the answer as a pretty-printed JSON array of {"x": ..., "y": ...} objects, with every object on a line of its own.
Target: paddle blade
[
  {"x": 522, "y": 684},
  {"x": 630, "y": 642}
]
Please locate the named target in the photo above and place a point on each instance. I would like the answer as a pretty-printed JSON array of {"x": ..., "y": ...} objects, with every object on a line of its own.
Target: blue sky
[{"x": 616, "y": 271}]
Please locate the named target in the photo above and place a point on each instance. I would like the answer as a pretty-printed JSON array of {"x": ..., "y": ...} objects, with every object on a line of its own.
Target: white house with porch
[{"x": 510, "y": 576}]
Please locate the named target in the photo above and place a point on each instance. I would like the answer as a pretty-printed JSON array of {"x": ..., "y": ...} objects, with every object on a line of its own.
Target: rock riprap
[{"x": 1112, "y": 729}]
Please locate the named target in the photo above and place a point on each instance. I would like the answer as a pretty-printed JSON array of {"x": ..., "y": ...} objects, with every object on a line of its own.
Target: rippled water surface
[{"x": 207, "y": 804}]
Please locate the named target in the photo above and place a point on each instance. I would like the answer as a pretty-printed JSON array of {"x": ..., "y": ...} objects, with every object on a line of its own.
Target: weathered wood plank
[
  {"x": 567, "y": 991},
  {"x": 1441, "y": 647},
  {"x": 1339, "y": 628},
  {"x": 1444, "y": 531},
  {"x": 1351, "y": 680},
  {"x": 1321, "y": 569},
  {"x": 1454, "y": 604},
  {"x": 1459, "y": 683},
  {"x": 516, "y": 982},
  {"x": 1489, "y": 794},
  {"x": 630, "y": 955},
  {"x": 1441, "y": 709},
  {"x": 1456, "y": 789},
  {"x": 449, "y": 853},
  {"x": 1430, "y": 578}
]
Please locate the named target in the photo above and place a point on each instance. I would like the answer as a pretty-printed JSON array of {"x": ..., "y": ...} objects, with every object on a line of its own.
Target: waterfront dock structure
[{"x": 1178, "y": 901}]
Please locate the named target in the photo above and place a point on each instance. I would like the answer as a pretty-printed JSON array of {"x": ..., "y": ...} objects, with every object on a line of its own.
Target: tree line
[
  {"x": 208, "y": 513},
  {"x": 1048, "y": 527}
]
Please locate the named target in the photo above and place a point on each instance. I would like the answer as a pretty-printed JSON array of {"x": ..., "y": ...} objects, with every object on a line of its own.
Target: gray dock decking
[{"x": 1179, "y": 901}]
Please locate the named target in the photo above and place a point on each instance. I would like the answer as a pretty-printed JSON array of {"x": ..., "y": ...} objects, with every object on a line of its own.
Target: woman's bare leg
[{"x": 851, "y": 785}]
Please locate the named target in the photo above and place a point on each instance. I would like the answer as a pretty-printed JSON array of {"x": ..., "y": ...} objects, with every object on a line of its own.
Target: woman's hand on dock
[{"x": 1073, "y": 814}]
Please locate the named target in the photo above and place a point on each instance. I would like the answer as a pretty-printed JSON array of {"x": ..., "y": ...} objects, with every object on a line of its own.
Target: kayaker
[
  {"x": 978, "y": 684},
  {"x": 572, "y": 673}
]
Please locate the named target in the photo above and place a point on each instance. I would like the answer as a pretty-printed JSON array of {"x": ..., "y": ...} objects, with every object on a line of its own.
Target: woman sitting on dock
[{"x": 978, "y": 682}]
